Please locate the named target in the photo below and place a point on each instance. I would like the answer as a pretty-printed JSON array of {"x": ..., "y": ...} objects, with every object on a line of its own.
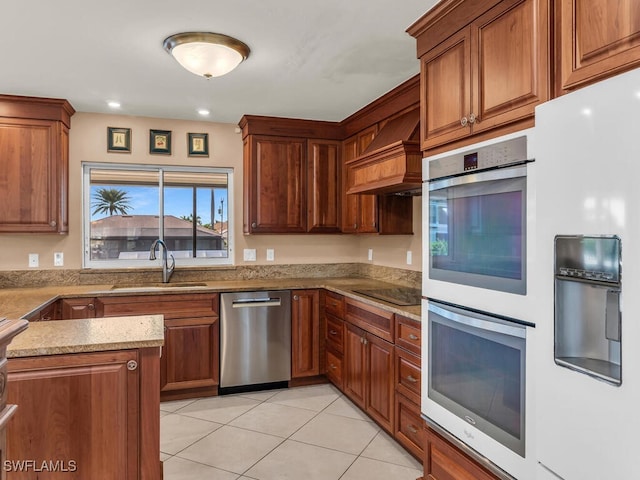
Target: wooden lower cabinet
[
  {"x": 443, "y": 461},
  {"x": 408, "y": 429},
  {"x": 190, "y": 362},
  {"x": 334, "y": 368},
  {"x": 94, "y": 415},
  {"x": 74, "y": 308},
  {"x": 305, "y": 333},
  {"x": 368, "y": 374}
]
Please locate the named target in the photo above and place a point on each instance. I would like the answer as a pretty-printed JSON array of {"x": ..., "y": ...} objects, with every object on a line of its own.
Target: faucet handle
[{"x": 173, "y": 263}]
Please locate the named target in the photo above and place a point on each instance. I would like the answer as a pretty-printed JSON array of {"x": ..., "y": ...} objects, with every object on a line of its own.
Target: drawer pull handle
[
  {"x": 413, "y": 337},
  {"x": 332, "y": 332},
  {"x": 333, "y": 366},
  {"x": 412, "y": 379},
  {"x": 412, "y": 429}
]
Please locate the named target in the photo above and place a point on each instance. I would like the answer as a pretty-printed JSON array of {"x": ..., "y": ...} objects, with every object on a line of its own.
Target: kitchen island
[{"x": 88, "y": 398}]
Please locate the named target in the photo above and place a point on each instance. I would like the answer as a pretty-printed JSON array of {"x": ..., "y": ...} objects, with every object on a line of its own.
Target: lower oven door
[{"x": 476, "y": 372}]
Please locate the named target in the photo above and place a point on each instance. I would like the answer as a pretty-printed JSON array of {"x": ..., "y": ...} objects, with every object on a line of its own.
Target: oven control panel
[{"x": 483, "y": 158}]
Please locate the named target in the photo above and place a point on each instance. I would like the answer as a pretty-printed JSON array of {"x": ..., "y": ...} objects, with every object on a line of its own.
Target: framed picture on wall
[
  {"x": 118, "y": 140},
  {"x": 198, "y": 144},
  {"x": 160, "y": 142}
]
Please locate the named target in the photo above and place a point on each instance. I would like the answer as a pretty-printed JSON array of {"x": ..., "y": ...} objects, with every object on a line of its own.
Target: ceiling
[{"x": 321, "y": 60}]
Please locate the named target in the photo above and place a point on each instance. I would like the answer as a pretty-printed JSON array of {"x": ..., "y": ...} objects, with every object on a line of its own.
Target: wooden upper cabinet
[
  {"x": 277, "y": 176},
  {"x": 34, "y": 159},
  {"x": 359, "y": 212},
  {"x": 595, "y": 39},
  {"x": 491, "y": 73},
  {"x": 324, "y": 198}
]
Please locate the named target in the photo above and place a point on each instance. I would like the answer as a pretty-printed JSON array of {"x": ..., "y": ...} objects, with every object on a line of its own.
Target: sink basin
[{"x": 158, "y": 286}]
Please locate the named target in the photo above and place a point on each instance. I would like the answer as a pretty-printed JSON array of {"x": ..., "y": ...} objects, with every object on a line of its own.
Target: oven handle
[
  {"x": 476, "y": 322},
  {"x": 482, "y": 176}
]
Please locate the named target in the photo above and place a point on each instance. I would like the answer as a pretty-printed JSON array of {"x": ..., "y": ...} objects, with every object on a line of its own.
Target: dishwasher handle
[{"x": 256, "y": 302}]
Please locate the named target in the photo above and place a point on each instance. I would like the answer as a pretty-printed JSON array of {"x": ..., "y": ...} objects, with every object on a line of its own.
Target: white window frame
[{"x": 87, "y": 262}]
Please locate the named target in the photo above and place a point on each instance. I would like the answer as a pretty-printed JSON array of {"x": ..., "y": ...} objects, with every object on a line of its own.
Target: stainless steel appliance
[
  {"x": 477, "y": 371},
  {"x": 587, "y": 305},
  {"x": 478, "y": 217},
  {"x": 255, "y": 340}
]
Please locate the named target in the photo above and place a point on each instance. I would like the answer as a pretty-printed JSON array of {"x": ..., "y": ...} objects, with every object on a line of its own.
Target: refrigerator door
[{"x": 588, "y": 160}]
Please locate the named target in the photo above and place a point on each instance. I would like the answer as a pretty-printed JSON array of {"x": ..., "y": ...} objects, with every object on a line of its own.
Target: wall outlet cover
[
  {"x": 58, "y": 259},
  {"x": 34, "y": 260},
  {"x": 270, "y": 254},
  {"x": 249, "y": 254},
  {"x": 409, "y": 257},
  {"x": 370, "y": 254}
]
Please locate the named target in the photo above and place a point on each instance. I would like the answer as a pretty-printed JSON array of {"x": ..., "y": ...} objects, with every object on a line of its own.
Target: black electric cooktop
[{"x": 403, "y": 296}]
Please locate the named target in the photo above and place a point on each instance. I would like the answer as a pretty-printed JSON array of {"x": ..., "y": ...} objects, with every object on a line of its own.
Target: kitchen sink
[{"x": 158, "y": 286}]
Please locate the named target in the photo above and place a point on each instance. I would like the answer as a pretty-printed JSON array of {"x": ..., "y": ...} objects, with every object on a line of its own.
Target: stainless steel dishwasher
[{"x": 255, "y": 340}]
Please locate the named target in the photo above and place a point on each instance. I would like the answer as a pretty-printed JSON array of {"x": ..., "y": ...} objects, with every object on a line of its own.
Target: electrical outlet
[
  {"x": 58, "y": 259},
  {"x": 249, "y": 254},
  {"x": 270, "y": 254},
  {"x": 370, "y": 254},
  {"x": 409, "y": 257},
  {"x": 34, "y": 260}
]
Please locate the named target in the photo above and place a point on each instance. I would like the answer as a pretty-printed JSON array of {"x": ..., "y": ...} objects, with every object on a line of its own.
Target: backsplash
[{"x": 42, "y": 278}]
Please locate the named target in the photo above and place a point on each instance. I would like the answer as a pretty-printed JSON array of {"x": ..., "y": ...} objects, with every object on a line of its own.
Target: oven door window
[
  {"x": 477, "y": 372},
  {"x": 477, "y": 234}
]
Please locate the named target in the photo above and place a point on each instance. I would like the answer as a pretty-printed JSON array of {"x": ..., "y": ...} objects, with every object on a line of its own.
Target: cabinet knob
[
  {"x": 355, "y": 226},
  {"x": 332, "y": 332},
  {"x": 464, "y": 121},
  {"x": 53, "y": 223},
  {"x": 132, "y": 365},
  {"x": 91, "y": 306},
  {"x": 413, "y": 337},
  {"x": 473, "y": 119},
  {"x": 295, "y": 297},
  {"x": 254, "y": 225}
]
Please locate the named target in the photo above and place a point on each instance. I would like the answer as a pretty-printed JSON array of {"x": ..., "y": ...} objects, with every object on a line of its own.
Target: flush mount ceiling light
[{"x": 206, "y": 54}]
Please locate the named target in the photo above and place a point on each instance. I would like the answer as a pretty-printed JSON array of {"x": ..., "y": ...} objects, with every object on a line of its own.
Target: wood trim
[
  {"x": 404, "y": 97},
  {"x": 36, "y": 108},
  {"x": 289, "y": 127},
  {"x": 149, "y": 365}
]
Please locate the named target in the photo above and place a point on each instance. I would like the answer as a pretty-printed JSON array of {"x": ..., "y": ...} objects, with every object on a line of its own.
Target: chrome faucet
[{"x": 166, "y": 269}]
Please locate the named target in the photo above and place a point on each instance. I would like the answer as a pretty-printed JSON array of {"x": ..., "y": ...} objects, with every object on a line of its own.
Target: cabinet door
[
  {"x": 72, "y": 308},
  {"x": 88, "y": 405},
  {"x": 380, "y": 383},
  {"x": 190, "y": 356},
  {"x": 354, "y": 367},
  {"x": 277, "y": 192},
  {"x": 34, "y": 176},
  {"x": 305, "y": 333},
  {"x": 445, "y": 91},
  {"x": 509, "y": 62},
  {"x": 323, "y": 211},
  {"x": 596, "y": 39},
  {"x": 359, "y": 211}
]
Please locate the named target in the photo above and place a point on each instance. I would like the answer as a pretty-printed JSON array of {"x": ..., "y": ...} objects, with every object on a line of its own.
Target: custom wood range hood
[{"x": 392, "y": 162}]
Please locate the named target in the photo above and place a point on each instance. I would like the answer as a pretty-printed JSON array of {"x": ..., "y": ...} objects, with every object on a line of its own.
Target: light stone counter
[
  {"x": 88, "y": 335},
  {"x": 20, "y": 302}
]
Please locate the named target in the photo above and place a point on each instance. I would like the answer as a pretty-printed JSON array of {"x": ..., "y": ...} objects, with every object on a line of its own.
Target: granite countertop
[
  {"x": 88, "y": 335},
  {"x": 20, "y": 302}
]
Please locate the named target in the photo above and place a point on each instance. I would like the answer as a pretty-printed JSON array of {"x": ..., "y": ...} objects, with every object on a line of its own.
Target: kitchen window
[{"x": 126, "y": 208}]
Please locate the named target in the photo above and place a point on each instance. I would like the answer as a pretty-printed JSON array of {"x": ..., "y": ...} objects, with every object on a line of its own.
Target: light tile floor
[{"x": 310, "y": 433}]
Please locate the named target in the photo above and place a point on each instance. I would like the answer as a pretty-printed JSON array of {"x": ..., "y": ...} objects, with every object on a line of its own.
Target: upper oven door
[{"x": 477, "y": 229}]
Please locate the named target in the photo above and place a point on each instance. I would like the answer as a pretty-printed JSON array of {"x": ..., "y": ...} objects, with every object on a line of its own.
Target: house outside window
[{"x": 127, "y": 207}]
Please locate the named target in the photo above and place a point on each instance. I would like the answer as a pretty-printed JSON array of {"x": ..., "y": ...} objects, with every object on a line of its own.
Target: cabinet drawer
[
  {"x": 372, "y": 319},
  {"x": 334, "y": 333},
  {"x": 409, "y": 334},
  {"x": 171, "y": 306},
  {"x": 334, "y": 304},
  {"x": 409, "y": 430},
  {"x": 334, "y": 368},
  {"x": 408, "y": 374}
]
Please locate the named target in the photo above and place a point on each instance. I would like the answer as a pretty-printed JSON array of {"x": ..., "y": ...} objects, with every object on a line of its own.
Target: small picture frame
[
  {"x": 198, "y": 144},
  {"x": 160, "y": 142},
  {"x": 118, "y": 140}
]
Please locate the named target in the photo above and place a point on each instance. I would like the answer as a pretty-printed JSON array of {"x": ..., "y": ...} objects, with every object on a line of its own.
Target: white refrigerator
[{"x": 588, "y": 170}]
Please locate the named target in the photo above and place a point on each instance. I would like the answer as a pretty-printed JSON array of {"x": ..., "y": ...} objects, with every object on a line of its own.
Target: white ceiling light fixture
[{"x": 206, "y": 54}]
